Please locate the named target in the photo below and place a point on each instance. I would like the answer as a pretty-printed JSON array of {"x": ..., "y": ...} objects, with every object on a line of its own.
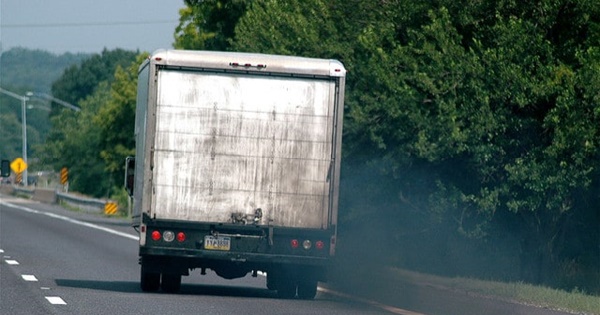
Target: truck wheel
[
  {"x": 150, "y": 281},
  {"x": 307, "y": 290},
  {"x": 286, "y": 290},
  {"x": 171, "y": 283},
  {"x": 271, "y": 282}
]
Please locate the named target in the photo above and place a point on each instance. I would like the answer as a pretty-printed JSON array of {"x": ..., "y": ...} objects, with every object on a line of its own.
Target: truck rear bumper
[
  {"x": 234, "y": 257},
  {"x": 233, "y": 250},
  {"x": 232, "y": 265}
]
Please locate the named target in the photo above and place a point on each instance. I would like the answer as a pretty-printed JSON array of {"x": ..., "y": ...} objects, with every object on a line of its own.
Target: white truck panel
[{"x": 261, "y": 142}]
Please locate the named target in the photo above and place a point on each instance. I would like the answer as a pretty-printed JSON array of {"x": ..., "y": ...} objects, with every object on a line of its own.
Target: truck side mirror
[
  {"x": 129, "y": 174},
  {"x": 5, "y": 168}
]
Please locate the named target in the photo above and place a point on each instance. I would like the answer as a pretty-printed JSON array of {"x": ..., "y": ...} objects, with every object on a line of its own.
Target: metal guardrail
[
  {"x": 22, "y": 190},
  {"x": 86, "y": 204},
  {"x": 53, "y": 196}
]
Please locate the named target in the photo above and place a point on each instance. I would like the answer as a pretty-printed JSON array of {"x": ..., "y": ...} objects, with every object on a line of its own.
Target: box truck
[{"x": 237, "y": 168}]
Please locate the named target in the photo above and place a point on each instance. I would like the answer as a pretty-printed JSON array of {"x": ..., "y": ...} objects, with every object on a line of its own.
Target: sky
[{"x": 88, "y": 26}]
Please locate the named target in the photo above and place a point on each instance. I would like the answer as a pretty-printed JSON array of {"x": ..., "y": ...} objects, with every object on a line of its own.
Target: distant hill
[{"x": 34, "y": 70}]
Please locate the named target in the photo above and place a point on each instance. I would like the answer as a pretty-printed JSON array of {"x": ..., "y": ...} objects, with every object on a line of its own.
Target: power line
[{"x": 76, "y": 24}]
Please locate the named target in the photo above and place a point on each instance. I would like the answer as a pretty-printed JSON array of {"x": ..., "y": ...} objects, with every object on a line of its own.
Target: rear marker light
[
  {"x": 155, "y": 235},
  {"x": 180, "y": 237},
  {"x": 307, "y": 244},
  {"x": 294, "y": 243},
  {"x": 332, "y": 246},
  {"x": 319, "y": 245}
]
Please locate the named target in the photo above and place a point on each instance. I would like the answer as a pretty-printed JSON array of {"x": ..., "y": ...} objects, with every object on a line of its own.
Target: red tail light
[
  {"x": 180, "y": 237},
  {"x": 319, "y": 245},
  {"x": 294, "y": 243},
  {"x": 155, "y": 235}
]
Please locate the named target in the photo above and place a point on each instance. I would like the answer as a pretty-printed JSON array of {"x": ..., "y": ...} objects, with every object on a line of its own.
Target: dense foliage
[
  {"x": 472, "y": 128},
  {"x": 94, "y": 142}
]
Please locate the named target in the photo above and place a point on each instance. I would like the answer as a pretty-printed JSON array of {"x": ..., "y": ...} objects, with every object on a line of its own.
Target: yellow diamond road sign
[{"x": 18, "y": 165}]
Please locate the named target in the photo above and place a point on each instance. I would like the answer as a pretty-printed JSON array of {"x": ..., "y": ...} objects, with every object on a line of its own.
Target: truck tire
[
  {"x": 286, "y": 290},
  {"x": 307, "y": 290},
  {"x": 150, "y": 281},
  {"x": 271, "y": 282},
  {"x": 171, "y": 283}
]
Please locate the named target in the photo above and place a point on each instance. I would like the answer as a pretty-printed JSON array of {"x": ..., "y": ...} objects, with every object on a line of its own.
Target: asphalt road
[
  {"x": 61, "y": 262},
  {"x": 55, "y": 261}
]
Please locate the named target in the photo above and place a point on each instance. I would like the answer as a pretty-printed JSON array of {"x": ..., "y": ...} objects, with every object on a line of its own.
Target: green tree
[
  {"x": 10, "y": 135},
  {"x": 77, "y": 138},
  {"x": 11, "y": 128},
  {"x": 116, "y": 121},
  {"x": 79, "y": 81},
  {"x": 480, "y": 116},
  {"x": 78, "y": 148},
  {"x": 208, "y": 24},
  {"x": 304, "y": 28}
]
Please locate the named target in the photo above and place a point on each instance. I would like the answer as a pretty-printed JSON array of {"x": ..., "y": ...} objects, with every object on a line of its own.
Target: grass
[{"x": 575, "y": 302}]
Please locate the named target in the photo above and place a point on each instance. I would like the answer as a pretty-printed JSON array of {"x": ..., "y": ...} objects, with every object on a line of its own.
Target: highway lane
[
  {"x": 81, "y": 267},
  {"x": 55, "y": 261}
]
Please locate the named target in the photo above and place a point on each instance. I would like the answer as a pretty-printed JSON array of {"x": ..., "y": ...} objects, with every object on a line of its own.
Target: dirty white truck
[{"x": 237, "y": 168}]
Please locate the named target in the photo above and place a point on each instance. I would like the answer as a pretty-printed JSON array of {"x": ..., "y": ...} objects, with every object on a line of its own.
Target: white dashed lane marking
[
  {"x": 56, "y": 300},
  {"x": 29, "y": 278}
]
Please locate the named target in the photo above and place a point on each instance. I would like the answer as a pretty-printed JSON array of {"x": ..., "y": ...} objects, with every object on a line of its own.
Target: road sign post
[{"x": 64, "y": 178}]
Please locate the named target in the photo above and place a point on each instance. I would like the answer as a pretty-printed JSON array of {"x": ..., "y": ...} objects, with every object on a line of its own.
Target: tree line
[{"x": 471, "y": 130}]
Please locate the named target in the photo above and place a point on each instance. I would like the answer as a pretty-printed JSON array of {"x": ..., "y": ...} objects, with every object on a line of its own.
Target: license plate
[{"x": 217, "y": 243}]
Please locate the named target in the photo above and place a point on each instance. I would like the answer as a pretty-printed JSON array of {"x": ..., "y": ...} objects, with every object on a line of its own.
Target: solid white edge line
[
  {"x": 74, "y": 221},
  {"x": 388, "y": 308},
  {"x": 56, "y": 300}
]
